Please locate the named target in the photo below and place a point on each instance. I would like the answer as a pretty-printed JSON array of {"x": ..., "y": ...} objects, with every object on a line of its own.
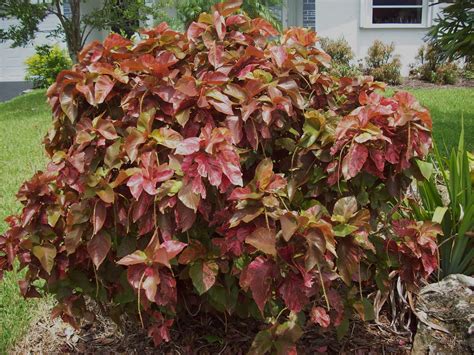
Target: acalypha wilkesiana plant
[{"x": 223, "y": 162}]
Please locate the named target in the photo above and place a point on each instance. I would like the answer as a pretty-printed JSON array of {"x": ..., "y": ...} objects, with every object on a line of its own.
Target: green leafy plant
[
  {"x": 382, "y": 63},
  {"x": 339, "y": 49},
  {"x": 43, "y": 67},
  {"x": 452, "y": 33},
  {"x": 222, "y": 167},
  {"x": 189, "y": 10},
  {"x": 431, "y": 66},
  {"x": 468, "y": 70},
  {"x": 341, "y": 56},
  {"x": 447, "y": 198}
]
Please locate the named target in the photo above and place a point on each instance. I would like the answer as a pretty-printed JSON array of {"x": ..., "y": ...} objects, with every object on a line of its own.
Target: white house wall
[{"x": 336, "y": 18}]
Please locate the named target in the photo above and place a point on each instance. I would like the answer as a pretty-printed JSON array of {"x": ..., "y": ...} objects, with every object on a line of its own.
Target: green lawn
[
  {"x": 447, "y": 106},
  {"x": 25, "y": 120},
  {"x": 23, "y": 123}
]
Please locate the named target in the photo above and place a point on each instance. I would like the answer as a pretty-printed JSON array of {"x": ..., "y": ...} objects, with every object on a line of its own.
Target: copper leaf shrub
[{"x": 221, "y": 166}]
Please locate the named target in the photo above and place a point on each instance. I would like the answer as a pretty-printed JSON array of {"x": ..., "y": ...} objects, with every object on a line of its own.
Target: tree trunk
[
  {"x": 71, "y": 27},
  {"x": 76, "y": 39}
]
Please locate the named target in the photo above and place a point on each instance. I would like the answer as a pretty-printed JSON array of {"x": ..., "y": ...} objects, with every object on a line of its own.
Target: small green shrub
[
  {"x": 339, "y": 49},
  {"x": 382, "y": 63},
  {"x": 343, "y": 70},
  {"x": 447, "y": 73},
  {"x": 468, "y": 69},
  {"x": 432, "y": 67},
  {"x": 43, "y": 67},
  {"x": 342, "y": 55}
]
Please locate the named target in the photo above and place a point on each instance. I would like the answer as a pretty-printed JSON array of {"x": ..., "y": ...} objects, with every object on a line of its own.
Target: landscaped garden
[
  {"x": 218, "y": 190},
  {"x": 25, "y": 120}
]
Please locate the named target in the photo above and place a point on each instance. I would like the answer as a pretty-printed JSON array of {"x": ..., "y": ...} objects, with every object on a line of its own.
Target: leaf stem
[
  {"x": 138, "y": 301},
  {"x": 324, "y": 287}
]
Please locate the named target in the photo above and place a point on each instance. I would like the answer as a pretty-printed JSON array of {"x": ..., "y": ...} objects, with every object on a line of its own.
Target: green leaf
[
  {"x": 438, "y": 214},
  {"x": 112, "y": 159},
  {"x": 365, "y": 309},
  {"x": 342, "y": 329},
  {"x": 53, "y": 216},
  {"x": 145, "y": 121},
  {"x": 183, "y": 116},
  {"x": 203, "y": 275},
  {"x": 342, "y": 230},
  {"x": 262, "y": 343},
  {"x": 106, "y": 194},
  {"x": 344, "y": 209},
  {"x": 426, "y": 168},
  {"x": 80, "y": 279},
  {"x": 212, "y": 339},
  {"x": 46, "y": 255}
]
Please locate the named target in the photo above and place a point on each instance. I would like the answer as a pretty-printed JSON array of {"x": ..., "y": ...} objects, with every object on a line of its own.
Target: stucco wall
[{"x": 335, "y": 18}]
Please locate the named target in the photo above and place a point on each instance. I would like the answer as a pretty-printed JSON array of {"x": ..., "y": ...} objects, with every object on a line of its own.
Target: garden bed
[
  {"x": 410, "y": 83},
  {"x": 203, "y": 334}
]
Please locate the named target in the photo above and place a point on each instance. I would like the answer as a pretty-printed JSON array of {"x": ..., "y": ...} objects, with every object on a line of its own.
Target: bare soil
[
  {"x": 410, "y": 83},
  {"x": 202, "y": 334}
]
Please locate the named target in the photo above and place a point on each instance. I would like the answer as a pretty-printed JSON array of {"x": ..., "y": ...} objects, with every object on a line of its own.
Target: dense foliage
[
  {"x": 43, "y": 67},
  {"x": 453, "y": 31},
  {"x": 341, "y": 56},
  {"x": 222, "y": 168},
  {"x": 382, "y": 63},
  {"x": 453, "y": 208},
  {"x": 432, "y": 66},
  {"x": 189, "y": 10}
]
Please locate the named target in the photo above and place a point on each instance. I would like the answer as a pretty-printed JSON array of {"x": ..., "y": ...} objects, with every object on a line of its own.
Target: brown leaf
[
  {"x": 46, "y": 254},
  {"x": 98, "y": 248},
  {"x": 289, "y": 225},
  {"x": 99, "y": 216},
  {"x": 263, "y": 239}
]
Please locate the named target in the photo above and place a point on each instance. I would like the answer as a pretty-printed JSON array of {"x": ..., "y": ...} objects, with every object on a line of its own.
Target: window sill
[{"x": 394, "y": 25}]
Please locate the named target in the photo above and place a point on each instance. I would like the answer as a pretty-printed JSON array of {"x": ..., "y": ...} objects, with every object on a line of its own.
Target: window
[
  {"x": 395, "y": 13},
  {"x": 309, "y": 14}
]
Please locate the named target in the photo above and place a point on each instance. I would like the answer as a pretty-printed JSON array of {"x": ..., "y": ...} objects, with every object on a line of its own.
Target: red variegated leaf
[
  {"x": 319, "y": 316},
  {"x": 102, "y": 88},
  {"x": 188, "y": 146},
  {"x": 100, "y": 214},
  {"x": 289, "y": 225},
  {"x": 215, "y": 55},
  {"x": 258, "y": 276},
  {"x": 203, "y": 275},
  {"x": 173, "y": 247},
  {"x": 354, "y": 160},
  {"x": 228, "y": 7},
  {"x": 132, "y": 143},
  {"x": 188, "y": 197},
  {"x": 98, "y": 248},
  {"x": 137, "y": 257},
  {"x": 293, "y": 292}
]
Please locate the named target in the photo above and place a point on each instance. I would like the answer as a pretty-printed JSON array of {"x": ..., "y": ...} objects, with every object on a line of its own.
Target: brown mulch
[
  {"x": 410, "y": 83},
  {"x": 202, "y": 334}
]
